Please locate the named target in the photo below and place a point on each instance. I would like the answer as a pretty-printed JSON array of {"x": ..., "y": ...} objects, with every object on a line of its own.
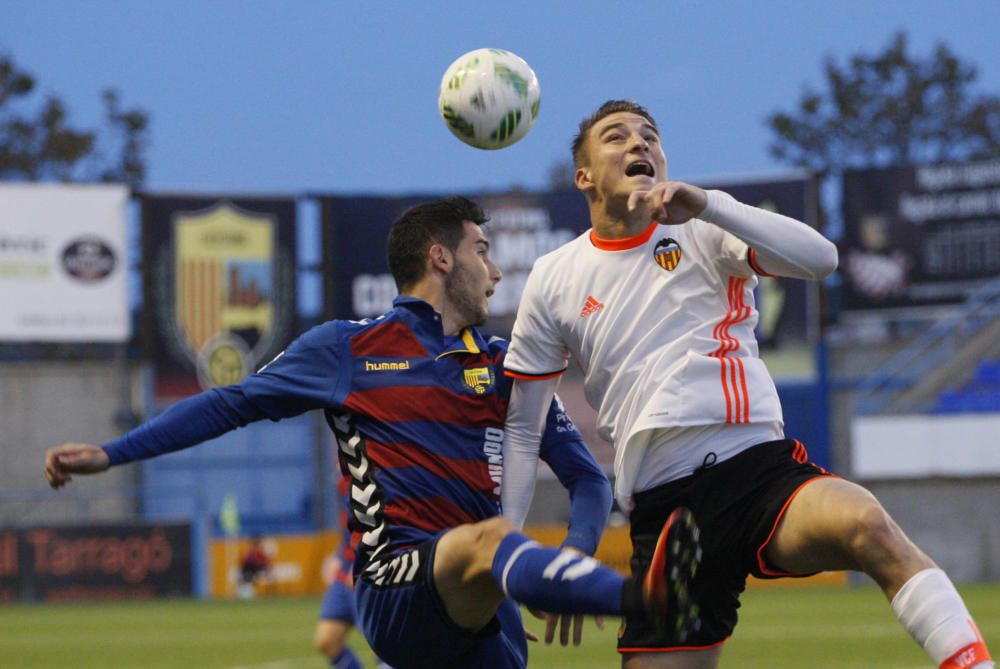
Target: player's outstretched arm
[
  {"x": 295, "y": 382},
  {"x": 63, "y": 461},
  {"x": 783, "y": 245}
]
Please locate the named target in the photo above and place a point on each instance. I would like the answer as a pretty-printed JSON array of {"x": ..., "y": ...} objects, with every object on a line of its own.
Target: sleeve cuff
[
  {"x": 112, "y": 450},
  {"x": 524, "y": 376},
  {"x": 755, "y": 264}
]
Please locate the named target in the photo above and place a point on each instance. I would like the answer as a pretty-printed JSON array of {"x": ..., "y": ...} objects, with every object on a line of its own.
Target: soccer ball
[{"x": 489, "y": 98}]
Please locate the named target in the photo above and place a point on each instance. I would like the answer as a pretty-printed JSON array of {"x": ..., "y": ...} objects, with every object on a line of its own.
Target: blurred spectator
[{"x": 255, "y": 567}]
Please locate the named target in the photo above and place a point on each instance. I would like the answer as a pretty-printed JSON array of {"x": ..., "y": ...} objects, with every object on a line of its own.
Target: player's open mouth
[{"x": 640, "y": 167}]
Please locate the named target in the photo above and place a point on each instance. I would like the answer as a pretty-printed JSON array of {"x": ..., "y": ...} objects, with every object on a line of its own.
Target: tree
[
  {"x": 43, "y": 145},
  {"x": 890, "y": 109}
]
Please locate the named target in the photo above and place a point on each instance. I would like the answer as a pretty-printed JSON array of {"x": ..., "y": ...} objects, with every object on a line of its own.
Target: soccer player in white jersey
[{"x": 656, "y": 305}]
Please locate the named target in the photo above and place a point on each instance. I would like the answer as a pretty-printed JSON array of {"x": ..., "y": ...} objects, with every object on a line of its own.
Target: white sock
[{"x": 934, "y": 614}]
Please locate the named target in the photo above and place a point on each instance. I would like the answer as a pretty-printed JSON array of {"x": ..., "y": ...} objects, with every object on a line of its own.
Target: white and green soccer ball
[{"x": 489, "y": 98}]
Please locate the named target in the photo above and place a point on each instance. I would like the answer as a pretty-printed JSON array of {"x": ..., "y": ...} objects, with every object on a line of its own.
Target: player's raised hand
[
  {"x": 670, "y": 202},
  {"x": 62, "y": 461}
]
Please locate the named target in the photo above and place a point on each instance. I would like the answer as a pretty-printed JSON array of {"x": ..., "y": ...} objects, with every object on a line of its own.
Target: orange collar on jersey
[{"x": 625, "y": 243}]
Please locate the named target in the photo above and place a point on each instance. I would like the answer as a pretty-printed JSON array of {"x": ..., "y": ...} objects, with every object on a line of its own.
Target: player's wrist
[{"x": 715, "y": 201}]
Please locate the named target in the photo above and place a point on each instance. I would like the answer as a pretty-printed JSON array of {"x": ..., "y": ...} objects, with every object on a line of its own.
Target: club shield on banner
[{"x": 220, "y": 288}]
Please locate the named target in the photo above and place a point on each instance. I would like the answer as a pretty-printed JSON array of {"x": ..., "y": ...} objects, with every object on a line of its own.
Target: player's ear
[
  {"x": 440, "y": 258},
  {"x": 582, "y": 179}
]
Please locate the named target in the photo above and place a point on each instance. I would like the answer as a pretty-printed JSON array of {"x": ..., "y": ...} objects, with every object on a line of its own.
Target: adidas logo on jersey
[{"x": 591, "y": 306}]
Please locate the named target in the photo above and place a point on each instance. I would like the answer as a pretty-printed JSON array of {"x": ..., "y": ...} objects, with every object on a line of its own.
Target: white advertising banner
[
  {"x": 63, "y": 264},
  {"x": 922, "y": 446}
]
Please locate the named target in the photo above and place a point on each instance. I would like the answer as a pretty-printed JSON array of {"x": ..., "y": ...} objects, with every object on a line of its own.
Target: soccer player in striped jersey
[
  {"x": 656, "y": 305},
  {"x": 417, "y": 399}
]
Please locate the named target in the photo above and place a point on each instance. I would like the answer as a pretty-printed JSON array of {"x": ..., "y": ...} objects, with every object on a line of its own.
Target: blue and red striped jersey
[{"x": 418, "y": 418}]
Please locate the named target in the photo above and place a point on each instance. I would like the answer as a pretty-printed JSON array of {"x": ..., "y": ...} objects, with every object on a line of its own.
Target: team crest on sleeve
[
  {"x": 667, "y": 254},
  {"x": 478, "y": 379}
]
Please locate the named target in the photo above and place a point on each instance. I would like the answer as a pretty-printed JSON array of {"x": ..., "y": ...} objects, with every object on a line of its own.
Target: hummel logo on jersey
[
  {"x": 590, "y": 306},
  {"x": 386, "y": 366},
  {"x": 667, "y": 254}
]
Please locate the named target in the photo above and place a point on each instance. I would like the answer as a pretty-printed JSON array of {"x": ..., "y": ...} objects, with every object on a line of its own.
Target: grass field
[{"x": 839, "y": 629}]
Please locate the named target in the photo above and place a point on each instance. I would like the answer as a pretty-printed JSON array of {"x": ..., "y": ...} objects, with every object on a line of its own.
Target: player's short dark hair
[
  {"x": 608, "y": 108},
  {"x": 420, "y": 227}
]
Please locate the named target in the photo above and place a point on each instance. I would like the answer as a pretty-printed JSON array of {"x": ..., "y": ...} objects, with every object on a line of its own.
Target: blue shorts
[
  {"x": 407, "y": 626},
  {"x": 338, "y": 603}
]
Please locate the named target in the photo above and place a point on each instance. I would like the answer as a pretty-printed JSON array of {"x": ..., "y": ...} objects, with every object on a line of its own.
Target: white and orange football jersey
[{"x": 662, "y": 325}]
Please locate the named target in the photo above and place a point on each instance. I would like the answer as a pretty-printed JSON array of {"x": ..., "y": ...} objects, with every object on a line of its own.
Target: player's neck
[
  {"x": 433, "y": 294},
  {"x": 617, "y": 225}
]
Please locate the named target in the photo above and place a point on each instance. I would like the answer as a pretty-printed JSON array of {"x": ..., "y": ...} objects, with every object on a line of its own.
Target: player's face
[
  {"x": 622, "y": 154},
  {"x": 471, "y": 283}
]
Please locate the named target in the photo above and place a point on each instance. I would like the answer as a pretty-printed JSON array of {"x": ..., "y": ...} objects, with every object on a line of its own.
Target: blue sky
[{"x": 341, "y": 97}]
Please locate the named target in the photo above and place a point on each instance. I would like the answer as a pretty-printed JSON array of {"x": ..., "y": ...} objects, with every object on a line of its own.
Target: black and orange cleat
[{"x": 666, "y": 588}]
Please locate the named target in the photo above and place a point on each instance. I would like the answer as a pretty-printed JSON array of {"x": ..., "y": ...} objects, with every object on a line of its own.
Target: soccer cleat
[{"x": 666, "y": 588}]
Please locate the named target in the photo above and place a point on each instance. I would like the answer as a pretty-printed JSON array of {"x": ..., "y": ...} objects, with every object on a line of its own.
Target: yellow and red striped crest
[
  {"x": 667, "y": 254},
  {"x": 223, "y": 270}
]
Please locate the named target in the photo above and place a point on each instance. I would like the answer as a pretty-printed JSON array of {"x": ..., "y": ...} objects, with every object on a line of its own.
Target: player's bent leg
[
  {"x": 832, "y": 524},
  {"x": 463, "y": 562},
  {"x": 404, "y": 617},
  {"x": 477, "y": 565},
  {"x": 681, "y": 659}
]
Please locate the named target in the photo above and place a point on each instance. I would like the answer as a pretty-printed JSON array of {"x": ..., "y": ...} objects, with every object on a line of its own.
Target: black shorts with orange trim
[{"x": 737, "y": 503}]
